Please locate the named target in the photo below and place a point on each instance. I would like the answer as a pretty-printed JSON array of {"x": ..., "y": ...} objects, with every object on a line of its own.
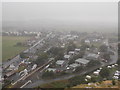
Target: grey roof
[
  {"x": 66, "y": 56},
  {"x": 81, "y": 60},
  {"x": 77, "y": 49},
  {"x": 51, "y": 69},
  {"x": 74, "y": 65},
  {"x": 93, "y": 55},
  {"x": 60, "y": 62},
  {"x": 72, "y": 52}
]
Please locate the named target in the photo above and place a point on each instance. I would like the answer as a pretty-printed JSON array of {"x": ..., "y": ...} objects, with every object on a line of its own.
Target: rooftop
[
  {"x": 72, "y": 52},
  {"x": 60, "y": 62},
  {"x": 81, "y": 60},
  {"x": 77, "y": 49},
  {"x": 74, "y": 65},
  {"x": 93, "y": 55},
  {"x": 51, "y": 69},
  {"x": 66, "y": 56}
]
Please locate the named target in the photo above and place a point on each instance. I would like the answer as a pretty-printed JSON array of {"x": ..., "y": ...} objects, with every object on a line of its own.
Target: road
[{"x": 18, "y": 82}]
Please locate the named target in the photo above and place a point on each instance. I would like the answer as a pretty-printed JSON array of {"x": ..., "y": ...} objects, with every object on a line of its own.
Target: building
[
  {"x": 11, "y": 67},
  {"x": 71, "y": 53},
  {"x": 82, "y": 61},
  {"x": 60, "y": 63},
  {"x": 74, "y": 66},
  {"x": 87, "y": 41},
  {"x": 51, "y": 69},
  {"x": 88, "y": 77},
  {"x": 92, "y": 56},
  {"x": 77, "y": 50},
  {"x": 96, "y": 72},
  {"x": 10, "y": 73},
  {"x": 67, "y": 57}
]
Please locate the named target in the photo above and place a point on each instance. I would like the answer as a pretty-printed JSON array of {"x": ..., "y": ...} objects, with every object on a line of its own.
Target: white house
[
  {"x": 96, "y": 73},
  {"x": 67, "y": 57},
  {"x": 74, "y": 65},
  {"x": 34, "y": 66},
  {"x": 88, "y": 77},
  {"x": 71, "y": 53},
  {"x": 77, "y": 50},
  {"x": 87, "y": 41},
  {"x": 60, "y": 63},
  {"x": 51, "y": 69}
]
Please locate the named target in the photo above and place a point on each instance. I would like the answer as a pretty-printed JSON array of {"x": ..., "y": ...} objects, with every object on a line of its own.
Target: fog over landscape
[
  {"x": 78, "y": 16},
  {"x": 60, "y": 45}
]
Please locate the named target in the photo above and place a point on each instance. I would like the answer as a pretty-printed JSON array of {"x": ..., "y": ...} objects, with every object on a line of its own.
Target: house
[
  {"x": 34, "y": 67},
  {"x": 117, "y": 73},
  {"x": 92, "y": 56},
  {"x": 71, "y": 53},
  {"x": 74, "y": 66},
  {"x": 96, "y": 73},
  {"x": 10, "y": 73},
  {"x": 77, "y": 50},
  {"x": 82, "y": 61},
  {"x": 115, "y": 77},
  {"x": 88, "y": 77},
  {"x": 87, "y": 41},
  {"x": 109, "y": 67},
  {"x": 62, "y": 46},
  {"x": 60, "y": 63},
  {"x": 67, "y": 57},
  {"x": 51, "y": 69}
]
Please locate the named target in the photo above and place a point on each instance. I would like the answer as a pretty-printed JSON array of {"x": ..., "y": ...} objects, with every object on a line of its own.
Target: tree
[
  {"x": 55, "y": 51},
  {"x": 48, "y": 74},
  {"x": 23, "y": 55},
  {"x": 84, "y": 46},
  {"x": 41, "y": 58},
  {"x": 71, "y": 46},
  {"x": 106, "y": 56},
  {"x": 80, "y": 55},
  {"x": 113, "y": 82},
  {"x": 79, "y": 69},
  {"x": 103, "y": 48},
  {"x": 19, "y": 44},
  {"x": 93, "y": 63},
  {"x": 118, "y": 62},
  {"x": 105, "y": 72},
  {"x": 77, "y": 80}
]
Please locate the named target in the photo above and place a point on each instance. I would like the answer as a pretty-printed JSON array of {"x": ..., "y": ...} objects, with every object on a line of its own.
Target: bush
[
  {"x": 113, "y": 82},
  {"x": 93, "y": 63},
  {"x": 105, "y": 72},
  {"x": 77, "y": 80}
]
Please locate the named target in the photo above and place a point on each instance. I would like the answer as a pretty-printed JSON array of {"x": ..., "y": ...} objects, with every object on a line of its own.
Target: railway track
[{"x": 18, "y": 83}]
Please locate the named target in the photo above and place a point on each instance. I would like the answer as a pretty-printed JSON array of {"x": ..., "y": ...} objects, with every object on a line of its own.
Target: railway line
[{"x": 22, "y": 80}]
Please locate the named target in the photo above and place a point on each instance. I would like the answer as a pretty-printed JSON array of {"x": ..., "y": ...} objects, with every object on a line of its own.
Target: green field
[{"x": 9, "y": 50}]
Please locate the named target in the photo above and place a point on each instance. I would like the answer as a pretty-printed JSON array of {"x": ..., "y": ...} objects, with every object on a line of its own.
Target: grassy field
[
  {"x": 9, "y": 49},
  {"x": 103, "y": 84}
]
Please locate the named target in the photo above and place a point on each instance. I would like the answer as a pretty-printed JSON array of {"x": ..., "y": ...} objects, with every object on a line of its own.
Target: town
[
  {"x": 60, "y": 44},
  {"x": 55, "y": 55}
]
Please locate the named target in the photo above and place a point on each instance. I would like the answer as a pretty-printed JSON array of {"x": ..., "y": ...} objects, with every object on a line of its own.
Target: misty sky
[{"x": 69, "y": 12}]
